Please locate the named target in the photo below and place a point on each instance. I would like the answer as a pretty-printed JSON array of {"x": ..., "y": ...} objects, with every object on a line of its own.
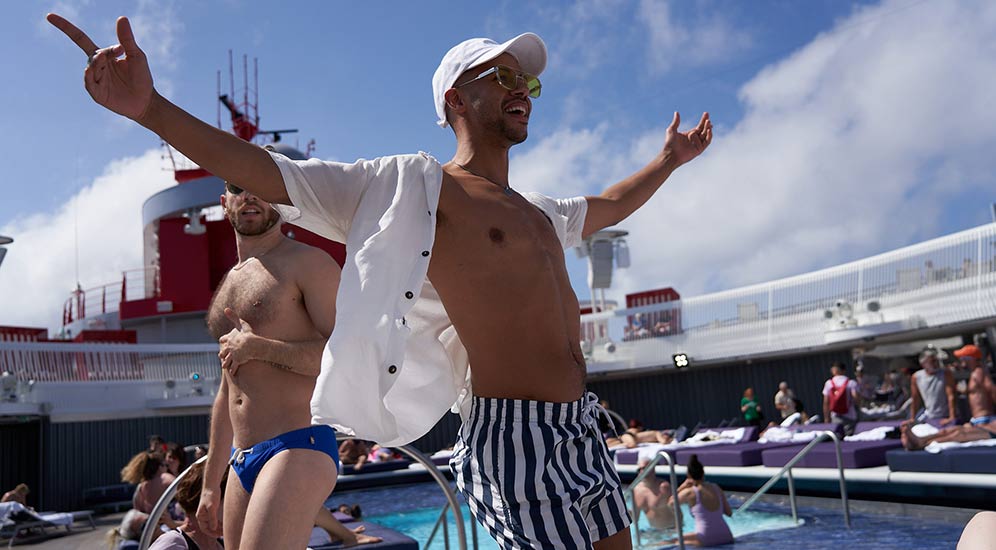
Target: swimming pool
[{"x": 413, "y": 509}]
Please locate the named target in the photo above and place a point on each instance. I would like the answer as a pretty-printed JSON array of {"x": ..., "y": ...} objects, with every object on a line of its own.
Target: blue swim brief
[
  {"x": 979, "y": 420},
  {"x": 247, "y": 463}
]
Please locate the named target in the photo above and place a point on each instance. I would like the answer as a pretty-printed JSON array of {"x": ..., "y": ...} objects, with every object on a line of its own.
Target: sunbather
[
  {"x": 636, "y": 434},
  {"x": 957, "y": 434},
  {"x": 17, "y": 494}
]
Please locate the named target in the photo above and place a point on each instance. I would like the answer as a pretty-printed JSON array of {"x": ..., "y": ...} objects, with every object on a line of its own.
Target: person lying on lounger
[{"x": 636, "y": 435}]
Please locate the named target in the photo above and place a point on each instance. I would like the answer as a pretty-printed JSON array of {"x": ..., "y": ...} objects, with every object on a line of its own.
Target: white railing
[
  {"x": 69, "y": 362},
  {"x": 947, "y": 280}
]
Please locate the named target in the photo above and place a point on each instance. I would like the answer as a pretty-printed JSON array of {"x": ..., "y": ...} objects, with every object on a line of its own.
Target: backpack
[{"x": 838, "y": 398}]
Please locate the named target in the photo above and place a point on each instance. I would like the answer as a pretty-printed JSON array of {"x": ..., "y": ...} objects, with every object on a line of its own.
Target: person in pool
[{"x": 708, "y": 505}]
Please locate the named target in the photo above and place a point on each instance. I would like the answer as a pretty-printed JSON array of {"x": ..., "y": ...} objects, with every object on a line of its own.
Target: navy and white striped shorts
[{"x": 538, "y": 475}]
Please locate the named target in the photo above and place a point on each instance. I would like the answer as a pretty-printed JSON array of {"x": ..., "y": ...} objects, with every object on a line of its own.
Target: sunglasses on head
[
  {"x": 233, "y": 189},
  {"x": 508, "y": 78}
]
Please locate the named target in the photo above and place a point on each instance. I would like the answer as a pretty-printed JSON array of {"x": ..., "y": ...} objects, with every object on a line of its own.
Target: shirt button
[
  {"x": 409, "y": 295},
  {"x": 425, "y": 253},
  {"x": 392, "y": 369}
]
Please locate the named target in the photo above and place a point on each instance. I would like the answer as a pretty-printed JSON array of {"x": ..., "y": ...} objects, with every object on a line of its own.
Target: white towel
[
  {"x": 874, "y": 434},
  {"x": 787, "y": 435},
  {"x": 936, "y": 447}
]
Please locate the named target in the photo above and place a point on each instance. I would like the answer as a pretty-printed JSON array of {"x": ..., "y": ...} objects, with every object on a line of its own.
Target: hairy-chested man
[
  {"x": 272, "y": 314},
  {"x": 447, "y": 266},
  {"x": 981, "y": 399}
]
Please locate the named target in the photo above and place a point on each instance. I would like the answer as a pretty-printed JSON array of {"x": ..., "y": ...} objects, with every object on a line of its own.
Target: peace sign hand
[{"x": 121, "y": 84}]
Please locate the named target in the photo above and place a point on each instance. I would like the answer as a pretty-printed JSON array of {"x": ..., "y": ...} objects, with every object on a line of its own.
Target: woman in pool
[{"x": 708, "y": 504}]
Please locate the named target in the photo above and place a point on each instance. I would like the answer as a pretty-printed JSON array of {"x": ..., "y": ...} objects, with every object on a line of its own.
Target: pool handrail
[
  {"x": 786, "y": 470},
  {"x": 150, "y": 525},
  {"x": 674, "y": 488},
  {"x": 430, "y": 467}
]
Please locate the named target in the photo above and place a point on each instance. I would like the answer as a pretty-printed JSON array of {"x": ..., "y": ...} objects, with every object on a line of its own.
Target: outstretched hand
[
  {"x": 235, "y": 346},
  {"x": 684, "y": 146},
  {"x": 121, "y": 84}
]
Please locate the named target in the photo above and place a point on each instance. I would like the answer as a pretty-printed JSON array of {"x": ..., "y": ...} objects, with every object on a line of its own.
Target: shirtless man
[
  {"x": 271, "y": 314},
  {"x": 651, "y": 497},
  {"x": 446, "y": 266},
  {"x": 981, "y": 399}
]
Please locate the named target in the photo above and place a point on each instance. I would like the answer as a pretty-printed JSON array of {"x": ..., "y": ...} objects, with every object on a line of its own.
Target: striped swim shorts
[{"x": 538, "y": 475}]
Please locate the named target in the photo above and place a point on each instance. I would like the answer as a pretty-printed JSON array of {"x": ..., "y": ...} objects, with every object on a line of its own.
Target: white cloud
[
  {"x": 690, "y": 42},
  {"x": 157, "y": 27},
  {"x": 39, "y": 270},
  {"x": 855, "y": 144}
]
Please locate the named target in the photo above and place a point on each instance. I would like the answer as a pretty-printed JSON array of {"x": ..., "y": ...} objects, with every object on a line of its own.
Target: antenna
[{"x": 993, "y": 206}]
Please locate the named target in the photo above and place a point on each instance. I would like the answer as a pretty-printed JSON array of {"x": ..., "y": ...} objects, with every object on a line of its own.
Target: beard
[
  {"x": 498, "y": 125},
  {"x": 251, "y": 229}
]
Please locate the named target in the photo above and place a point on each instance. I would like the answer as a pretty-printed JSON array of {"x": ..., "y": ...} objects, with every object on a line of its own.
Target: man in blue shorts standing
[{"x": 447, "y": 266}]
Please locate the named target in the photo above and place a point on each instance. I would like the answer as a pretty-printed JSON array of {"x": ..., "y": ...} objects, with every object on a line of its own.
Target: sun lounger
[
  {"x": 371, "y": 467},
  {"x": 648, "y": 450},
  {"x": 16, "y": 521},
  {"x": 956, "y": 459},
  {"x": 393, "y": 540},
  {"x": 854, "y": 454},
  {"x": 746, "y": 453}
]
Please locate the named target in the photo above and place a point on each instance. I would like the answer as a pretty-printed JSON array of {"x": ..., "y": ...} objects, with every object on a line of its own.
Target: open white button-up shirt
[{"x": 394, "y": 364}]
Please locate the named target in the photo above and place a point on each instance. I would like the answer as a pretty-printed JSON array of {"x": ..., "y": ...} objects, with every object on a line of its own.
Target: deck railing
[
  {"x": 135, "y": 284},
  {"x": 949, "y": 280},
  {"x": 71, "y": 362}
]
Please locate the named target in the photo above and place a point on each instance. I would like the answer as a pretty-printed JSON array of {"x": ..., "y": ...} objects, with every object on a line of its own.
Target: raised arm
[
  {"x": 124, "y": 85},
  {"x": 915, "y": 396},
  {"x": 217, "y": 461},
  {"x": 622, "y": 199},
  {"x": 952, "y": 395}
]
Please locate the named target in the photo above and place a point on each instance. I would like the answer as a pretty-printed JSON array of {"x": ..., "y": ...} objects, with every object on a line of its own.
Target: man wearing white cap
[{"x": 447, "y": 266}]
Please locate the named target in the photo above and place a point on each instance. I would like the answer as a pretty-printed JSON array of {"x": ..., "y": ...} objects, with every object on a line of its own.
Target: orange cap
[{"x": 969, "y": 351}]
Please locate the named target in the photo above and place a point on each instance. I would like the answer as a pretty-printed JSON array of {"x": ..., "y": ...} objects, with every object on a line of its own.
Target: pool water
[{"x": 414, "y": 509}]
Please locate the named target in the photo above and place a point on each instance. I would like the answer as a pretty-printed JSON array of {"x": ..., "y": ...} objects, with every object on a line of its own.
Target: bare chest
[
  {"x": 258, "y": 293},
  {"x": 490, "y": 232}
]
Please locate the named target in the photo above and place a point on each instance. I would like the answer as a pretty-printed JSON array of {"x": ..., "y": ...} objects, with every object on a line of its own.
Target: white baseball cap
[{"x": 527, "y": 48}]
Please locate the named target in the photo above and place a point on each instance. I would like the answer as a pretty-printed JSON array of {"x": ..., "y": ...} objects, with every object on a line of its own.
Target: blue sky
[{"x": 842, "y": 129}]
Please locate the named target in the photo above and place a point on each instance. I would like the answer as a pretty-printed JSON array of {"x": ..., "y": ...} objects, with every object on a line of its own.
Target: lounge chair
[
  {"x": 647, "y": 450},
  {"x": 855, "y": 454},
  {"x": 16, "y": 521},
  {"x": 747, "y": 453},
  {"x": 393, "y": 540}
]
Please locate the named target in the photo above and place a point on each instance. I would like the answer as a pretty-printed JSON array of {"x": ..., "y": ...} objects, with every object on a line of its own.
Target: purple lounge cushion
[
  {"x": 371, "y": 467},
  {"x": 393, "y": 540},
  {"x": 343, "y": 518},
  {"x": 741, "y": 454},
  {"x": 977, "y": 460},
  {"x": 855, "y": 454}
]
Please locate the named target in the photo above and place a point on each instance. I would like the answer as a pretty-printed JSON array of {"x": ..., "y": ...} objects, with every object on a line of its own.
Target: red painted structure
[{"x": 658, "y": 323}]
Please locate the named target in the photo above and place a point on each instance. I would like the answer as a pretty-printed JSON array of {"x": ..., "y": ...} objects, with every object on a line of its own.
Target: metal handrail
[
  {"x": 152, "y": 523},
  {"x": 446, "y": 532},
  {"x": 674, "y": 488},
  {"x": 451, "y": 500},
  {"x": 787, "y": 470}
]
